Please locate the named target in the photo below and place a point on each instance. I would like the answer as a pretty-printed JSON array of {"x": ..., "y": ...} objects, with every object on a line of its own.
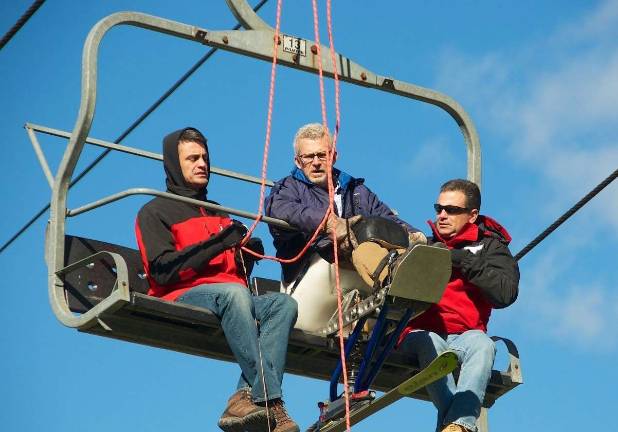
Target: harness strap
[{"x": 383, "y": 263}]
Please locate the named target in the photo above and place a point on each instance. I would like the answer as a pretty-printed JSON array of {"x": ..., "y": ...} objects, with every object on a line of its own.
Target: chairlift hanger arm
[{"x": 247, "y": 16}]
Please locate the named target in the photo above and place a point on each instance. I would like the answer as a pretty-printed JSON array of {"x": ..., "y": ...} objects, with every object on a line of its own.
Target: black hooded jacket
[{"x": 184, "y": 245}]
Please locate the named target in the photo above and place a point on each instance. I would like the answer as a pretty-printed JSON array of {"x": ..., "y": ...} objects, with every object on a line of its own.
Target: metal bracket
[
  {"x": 360, "y": 310},
  {"x": 118, "y": 297},
  {"x": 514, "y": 368}
]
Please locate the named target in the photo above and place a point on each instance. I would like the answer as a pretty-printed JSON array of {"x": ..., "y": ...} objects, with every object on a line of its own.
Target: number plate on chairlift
[{"x": 295, "y": 45}]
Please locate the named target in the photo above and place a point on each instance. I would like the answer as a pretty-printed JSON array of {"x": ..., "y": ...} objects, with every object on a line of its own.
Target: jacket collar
[{"x": 470, "y": 232}]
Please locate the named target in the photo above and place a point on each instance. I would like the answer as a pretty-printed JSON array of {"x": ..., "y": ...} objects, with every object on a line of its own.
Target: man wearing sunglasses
[
  {"x": 302, "y": 200},
  {"x": 485, "y": 276}
]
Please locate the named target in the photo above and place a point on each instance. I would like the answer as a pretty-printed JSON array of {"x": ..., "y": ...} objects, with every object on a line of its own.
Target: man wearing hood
[
  {"x": 485, "y": 276},
  {"x": 302, "y": 200},
  {"x": 192, "y": 255}
]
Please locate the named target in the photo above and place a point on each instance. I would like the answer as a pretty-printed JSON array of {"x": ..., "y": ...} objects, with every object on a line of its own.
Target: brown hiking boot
[
  {"x": 282, "y": 420},
  {"x": 242, "y": 414}
]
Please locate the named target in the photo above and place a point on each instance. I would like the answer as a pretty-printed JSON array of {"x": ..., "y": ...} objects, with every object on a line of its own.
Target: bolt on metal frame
[{"x": 256, "y": 41}]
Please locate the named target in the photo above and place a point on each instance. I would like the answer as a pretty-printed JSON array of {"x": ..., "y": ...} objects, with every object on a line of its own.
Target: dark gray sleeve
[{"x": 492, "y": 269}]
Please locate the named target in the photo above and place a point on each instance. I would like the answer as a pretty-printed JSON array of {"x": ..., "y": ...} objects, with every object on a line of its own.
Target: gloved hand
[
  {"x": 256, "y": 245},
  {"x": 417, "y": 238},
  {"x": 340, "y": 226},
  {"x": 343, "y": 231},
  {"x": 245, "y": 259},
  {"x": 232, "y": 234}
]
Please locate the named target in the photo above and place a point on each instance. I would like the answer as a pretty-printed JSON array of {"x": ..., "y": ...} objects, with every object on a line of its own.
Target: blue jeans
[
  {"x": 238, "y": 309},
  {"x": 456, "y": 403}
]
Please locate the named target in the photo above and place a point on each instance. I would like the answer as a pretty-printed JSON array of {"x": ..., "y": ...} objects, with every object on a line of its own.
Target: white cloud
[
  {"x": 432, "y": 150},
  {"x": 554, "y": 104},
  {"x": 576, "y": 314},
  {"x": 600, "y": 24}
]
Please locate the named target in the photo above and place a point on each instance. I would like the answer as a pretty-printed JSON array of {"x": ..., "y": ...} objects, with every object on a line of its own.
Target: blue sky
[{"x": 540, "y": 81}]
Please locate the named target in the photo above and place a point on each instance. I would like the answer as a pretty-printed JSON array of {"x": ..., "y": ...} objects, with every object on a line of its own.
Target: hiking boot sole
[{"x": 256, "y": 422}]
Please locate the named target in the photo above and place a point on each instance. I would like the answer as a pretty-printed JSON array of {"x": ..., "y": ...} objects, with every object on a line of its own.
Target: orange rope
[
  {"x": 271, "y": 98},
  {"x": 331, "y": 190},
  {"x": 302, "y": 252},
  {"x": 318, "y": 45},
  {"x": 331, "y": 193}
]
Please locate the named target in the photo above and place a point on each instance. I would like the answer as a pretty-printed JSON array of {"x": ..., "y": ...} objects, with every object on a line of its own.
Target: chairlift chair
[{"x": 100, "y": 288}]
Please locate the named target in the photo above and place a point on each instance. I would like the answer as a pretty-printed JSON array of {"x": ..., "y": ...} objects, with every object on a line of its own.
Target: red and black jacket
[
  {"x": 181, "y": 244},
  {"x": 180, "y": 248},
  {"x": 485, "y": 276}
]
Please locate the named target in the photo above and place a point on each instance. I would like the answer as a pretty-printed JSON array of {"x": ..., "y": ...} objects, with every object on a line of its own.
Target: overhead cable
[
  {"x": 566, "y": 215},
  {"x": 20, "y": 22},
  {"x": 130, "y": 129}
]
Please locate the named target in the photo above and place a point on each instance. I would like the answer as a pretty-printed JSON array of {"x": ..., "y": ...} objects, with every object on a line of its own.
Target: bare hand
[{"x": 417, "y": 238}]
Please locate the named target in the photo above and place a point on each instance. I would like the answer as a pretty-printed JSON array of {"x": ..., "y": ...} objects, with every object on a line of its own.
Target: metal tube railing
[
  {"x": 144, "y": 191},
  {"x": 138, "y": 152}
]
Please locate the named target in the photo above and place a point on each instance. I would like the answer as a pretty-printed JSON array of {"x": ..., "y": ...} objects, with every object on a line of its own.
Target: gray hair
[{"x": 312, "y": 131}]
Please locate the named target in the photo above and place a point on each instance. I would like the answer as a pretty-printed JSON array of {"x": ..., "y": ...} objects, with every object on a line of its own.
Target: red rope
[
  {"x": 332, "y": 198},
  {"x": 271, "y": 98},
  {"x": 331, "y": 190},
  {"x": 302, "y": 252},
  {"x": 316, "y": 32}
]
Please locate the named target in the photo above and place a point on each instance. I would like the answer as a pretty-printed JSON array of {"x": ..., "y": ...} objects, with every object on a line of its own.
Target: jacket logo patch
[{"x": 474, "y": 249}]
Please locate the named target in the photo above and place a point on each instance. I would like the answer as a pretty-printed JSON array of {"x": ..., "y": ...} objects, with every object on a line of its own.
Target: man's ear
[
  {"x": 474, "y": 214},
  {"x": 335, "y": 157},
  {"x": 297, "y": 163}
]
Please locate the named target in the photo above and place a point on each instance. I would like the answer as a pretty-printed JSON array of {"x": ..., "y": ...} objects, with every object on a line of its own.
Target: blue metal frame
[
  {"x": 363, "y": 384},
  {"x": 376, "y": 336},
  {"x": 369, "y": 368},
  {"x": 334, "y": 379}
]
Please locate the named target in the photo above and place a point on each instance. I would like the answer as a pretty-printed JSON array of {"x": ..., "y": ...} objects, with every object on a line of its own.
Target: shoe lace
[
  {"x": 280, "y": 413},
  {"x": 246, "y": 394}
]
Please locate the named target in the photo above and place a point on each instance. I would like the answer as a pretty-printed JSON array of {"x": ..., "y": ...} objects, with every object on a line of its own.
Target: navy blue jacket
[{"x": 303, "y": 204}]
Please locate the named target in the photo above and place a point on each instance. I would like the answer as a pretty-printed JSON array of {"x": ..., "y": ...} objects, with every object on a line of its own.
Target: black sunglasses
[{"x": 450, "y": 209}]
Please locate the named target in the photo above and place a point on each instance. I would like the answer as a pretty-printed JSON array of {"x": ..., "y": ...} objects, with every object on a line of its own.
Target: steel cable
[
  {"x": 20, "y": 22},
  {"x": 566, "y": 215}
]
